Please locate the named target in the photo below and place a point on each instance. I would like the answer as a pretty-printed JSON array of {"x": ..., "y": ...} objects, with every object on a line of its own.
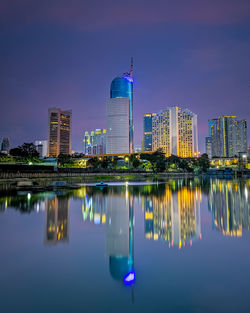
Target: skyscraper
[
  {"x": 122, "y": 87},
  {"x": 174, "y": 130},
  {"x": 147, "y": 131},
  {"x": 59, "y": 140},
  {"x": 95, "y": 143},
  {"x": 117, "y": 126},
  {"x": 228, "y": 136},
  {"x": 209, "y": 147}
]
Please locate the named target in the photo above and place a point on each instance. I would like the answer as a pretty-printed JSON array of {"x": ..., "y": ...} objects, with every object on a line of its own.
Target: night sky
[{"x": 191, "y": 53}]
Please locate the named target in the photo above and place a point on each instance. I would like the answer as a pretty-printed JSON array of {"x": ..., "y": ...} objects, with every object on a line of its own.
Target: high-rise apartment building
[
  {"x": 147, "y": 131},
  {"x": 42, "y": 147},
  {"x": 122, "y": 87},
  {"x": 117, "y": 126},
  {"x": 94, "y": 142},
  {"x": 228, "y": 136},
  {"x": 209, "y": 147},
  {"x": 174, "y": 130},
  {"x": 59, "y": 140}
]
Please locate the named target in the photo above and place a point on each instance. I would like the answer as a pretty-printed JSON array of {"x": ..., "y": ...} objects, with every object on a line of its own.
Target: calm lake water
[{"x": 179, "y": 246}]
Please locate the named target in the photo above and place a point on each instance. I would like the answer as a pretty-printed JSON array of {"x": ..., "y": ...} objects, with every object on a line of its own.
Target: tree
[
  {"x": 134, "y": 161},
  {"x": 93, "y": 162},
  {"x": 64, "y": 159},
  {"x": 157, "y": 160},
  {"x": 203, "y": 162},
  {"x": 27, "y": 150}
]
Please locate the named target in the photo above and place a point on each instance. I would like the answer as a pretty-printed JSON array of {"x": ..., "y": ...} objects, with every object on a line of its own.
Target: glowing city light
[
  {"x": 129, "y": 78},
  {"x": 129, "y": 278}
]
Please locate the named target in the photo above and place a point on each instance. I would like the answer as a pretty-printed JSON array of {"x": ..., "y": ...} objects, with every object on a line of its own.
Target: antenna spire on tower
[{"x": 131, "y": 67}]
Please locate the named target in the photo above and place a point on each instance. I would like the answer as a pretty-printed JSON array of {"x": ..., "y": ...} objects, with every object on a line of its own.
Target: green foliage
[
  {"x": 203, "y": 162},
  {"x": 156, "y": 159},
  {"x": 65, "y": 160},
  {"x": 93, "y": 162},
  {"x": 27, "y": 150},
  {"x": 134, "y": 161}
]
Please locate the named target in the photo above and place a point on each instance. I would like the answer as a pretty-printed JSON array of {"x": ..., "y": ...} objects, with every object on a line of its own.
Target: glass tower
[
  {"x": 147, "y": 134},
  {"x": 122, "y": 87}
]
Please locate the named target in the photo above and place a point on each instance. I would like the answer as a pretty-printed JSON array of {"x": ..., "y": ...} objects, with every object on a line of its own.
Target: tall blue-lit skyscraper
[
  {"x": 122, "y": 87},
  {"x": 147, "y": 131}
]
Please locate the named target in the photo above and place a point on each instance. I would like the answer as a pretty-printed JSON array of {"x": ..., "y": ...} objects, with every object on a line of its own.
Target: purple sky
[{"x": 195, "y": 54}]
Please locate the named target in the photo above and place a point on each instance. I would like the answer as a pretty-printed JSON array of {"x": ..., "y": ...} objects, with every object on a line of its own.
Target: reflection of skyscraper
[
  {"x": 173, "y": 217},
  {"x": 119, "y": 245},
  {"x": 57, "y": 220},
  {"x": 230, "y": 206}
]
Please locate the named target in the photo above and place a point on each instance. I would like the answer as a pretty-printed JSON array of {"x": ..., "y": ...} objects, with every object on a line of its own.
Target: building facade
[
  {"x": 118, "y": 126},
  {"x": 94, "y": 142},
  {"x": 228, "y": 136},
  {"x": 5, "y": 146},
  {"x": 174, "y": 130},
  {"x": 122, "y": 87},
  {"x": 42, "y": 147},
  {"x": 208, "y": 141},
  {"x": 147, "y": 131},
  {"x": 59, "y": 139}
]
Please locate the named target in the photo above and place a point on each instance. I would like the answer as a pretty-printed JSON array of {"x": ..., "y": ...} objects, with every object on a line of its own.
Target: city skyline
[{"x": 192, "y": 58}]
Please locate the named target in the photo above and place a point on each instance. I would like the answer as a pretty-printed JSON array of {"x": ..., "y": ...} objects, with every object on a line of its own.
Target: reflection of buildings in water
[
  {"x": 173, "y": 217},
  {"x": 57, "y": 220},
  {"x": 116, "y": 211},
  {"x": 119, "y": 236},
  {"x": 230, "y": 207},
  {"x": 94, "y": 208}
]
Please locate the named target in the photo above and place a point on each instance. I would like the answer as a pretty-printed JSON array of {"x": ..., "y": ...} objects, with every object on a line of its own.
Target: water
[{"x": 186, "y": 243}]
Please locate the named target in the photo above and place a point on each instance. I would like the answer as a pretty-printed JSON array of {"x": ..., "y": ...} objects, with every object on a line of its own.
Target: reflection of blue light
[
  {"x": 129, "y": 78},
  {"x": 129, "y": 278}
]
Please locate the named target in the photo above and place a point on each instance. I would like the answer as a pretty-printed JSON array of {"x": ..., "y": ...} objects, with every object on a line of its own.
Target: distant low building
[
  {"x": 5, "y": 146},
  {"x": 42, "y": 147}
]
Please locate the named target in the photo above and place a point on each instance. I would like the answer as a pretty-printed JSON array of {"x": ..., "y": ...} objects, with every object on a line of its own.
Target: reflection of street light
[{"x": 126, "y": 159}]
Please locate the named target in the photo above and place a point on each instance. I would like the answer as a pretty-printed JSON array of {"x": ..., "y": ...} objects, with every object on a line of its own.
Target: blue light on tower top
[{"x": 129, "y": 78}]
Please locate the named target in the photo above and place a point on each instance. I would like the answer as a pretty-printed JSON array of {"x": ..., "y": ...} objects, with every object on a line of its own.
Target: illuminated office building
[
  {"x": 57, "y": 220},
  {"x": 147, "y": 131},
  {"x": 117, "y": 126},
  {"x": 95, "y": 142},
  {"x": 174, "y": 130},
  {"x": 59, "y": 140},
  {"x": 122, "y": 88},
  {"x": 228, "y": 136}
]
